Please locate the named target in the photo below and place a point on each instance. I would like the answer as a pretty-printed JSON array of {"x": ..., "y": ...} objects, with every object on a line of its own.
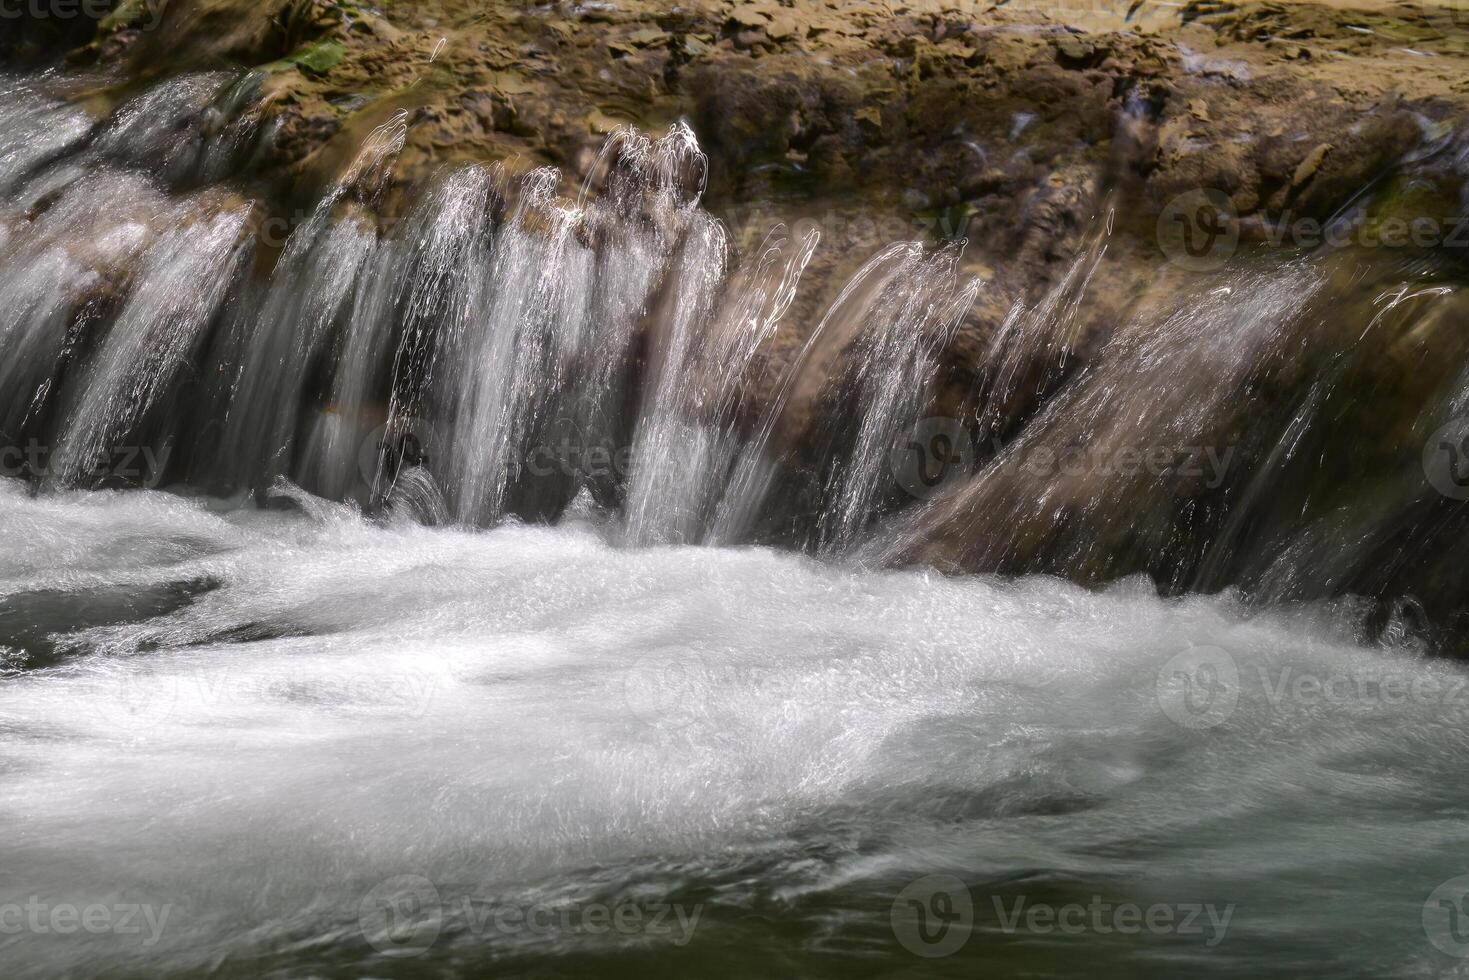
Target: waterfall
[
  {"x": 307, "y": 295},
  {"x": 519, "y": 354},
  {"x": 654, "y": 510},
  {"x": 61, "y": 272},
  {"x": 506, "y": 345},
  {"x": 1033, "y": 347},
  {"x": 34, "y": 128},
  {"x": 512, "y": 342},
  {"x": 885, "y": 375},
  {"x": 445, "y": 537},
  {"x": 647, "y": 188},
  {"x": 742, "y": 504},
  {"x": 1066, "y": 494},
  {"x": 191, "y": 129},
  {"x": 182, "y": 282}
]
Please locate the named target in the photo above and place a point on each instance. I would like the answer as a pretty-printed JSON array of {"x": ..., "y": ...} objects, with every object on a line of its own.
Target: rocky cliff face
[{"x": 1102, "y": 161}]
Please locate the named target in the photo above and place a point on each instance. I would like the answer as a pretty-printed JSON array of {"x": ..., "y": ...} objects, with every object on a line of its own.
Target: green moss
[
  {"x": 948, "y": 222},
  {"x": 315, "y": 59},
  {"x": 129, "y": 13},
  {"x": 1405, "y": 199}
]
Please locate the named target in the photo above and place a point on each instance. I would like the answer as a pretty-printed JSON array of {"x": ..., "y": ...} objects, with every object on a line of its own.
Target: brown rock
[
  {"x": 1310, "y": 165},
  {"x": 748, "y": 40}
]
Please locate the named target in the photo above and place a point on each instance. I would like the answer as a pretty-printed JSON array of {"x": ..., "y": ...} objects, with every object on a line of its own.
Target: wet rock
[
  {"x": 1308, "y": 167},
  {"x": 877, "y": 123}
]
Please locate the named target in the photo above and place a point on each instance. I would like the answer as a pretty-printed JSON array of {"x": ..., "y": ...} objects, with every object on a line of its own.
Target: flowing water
[{"x": 339, "y": 638}]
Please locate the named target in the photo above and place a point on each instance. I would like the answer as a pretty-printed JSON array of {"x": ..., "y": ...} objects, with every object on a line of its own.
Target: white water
[
  {"x": 533, "y": 712},
  {"x": 254, "y": 721}
]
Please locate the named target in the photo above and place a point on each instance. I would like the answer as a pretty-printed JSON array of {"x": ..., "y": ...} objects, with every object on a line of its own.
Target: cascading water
[
  {"x": 351, "y": 604},
  {"x": 689, "y": 436},
  {"x": 308, "y": 294},
  {"x": 520, "y": 349},
  {"x": 513, "y": 319},
  {"x": 914, "y": 316},
  {"x": 34, "y": 129},
  {"x": 181, "y": 283}
]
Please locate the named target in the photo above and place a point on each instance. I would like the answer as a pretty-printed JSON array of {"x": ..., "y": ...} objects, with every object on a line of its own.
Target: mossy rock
[
  {"x": 129, "y": 13},
  {"x": 314, "y": 59}
]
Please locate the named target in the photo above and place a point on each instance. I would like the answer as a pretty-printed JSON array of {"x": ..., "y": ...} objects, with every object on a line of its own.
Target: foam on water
[
  {"x": 330, "y": 702},
  {"x": 261, "y": 714}
]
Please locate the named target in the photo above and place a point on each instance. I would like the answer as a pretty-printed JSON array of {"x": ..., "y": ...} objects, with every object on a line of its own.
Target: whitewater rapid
[{"x": 255, "y": 717}]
